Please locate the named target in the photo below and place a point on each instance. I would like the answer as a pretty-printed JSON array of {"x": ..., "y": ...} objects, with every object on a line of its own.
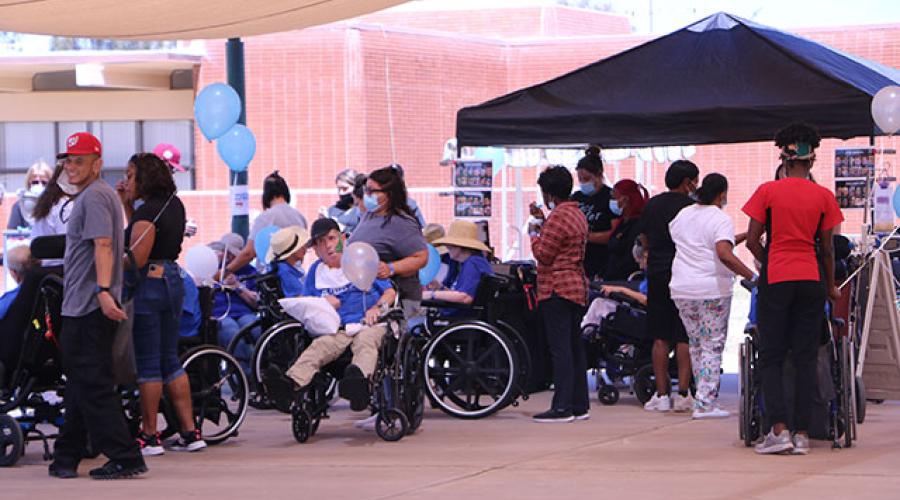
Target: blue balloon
[
  {"x": 237, "y": 147},
  {"x": 261, "y": 243},
  {"x": 216, "y": 109},
  {"x": 430, "y": 271},
  {"x": 896, "y": 200}
]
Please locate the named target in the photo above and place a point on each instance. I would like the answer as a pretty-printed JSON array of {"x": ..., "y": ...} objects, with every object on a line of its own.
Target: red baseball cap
[
  {"x": 81, "y": 143},
  {"x": 170, "y": 155}
]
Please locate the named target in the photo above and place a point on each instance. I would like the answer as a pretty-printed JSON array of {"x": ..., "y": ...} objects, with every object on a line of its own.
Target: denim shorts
[{"x": 157, "y": 312}]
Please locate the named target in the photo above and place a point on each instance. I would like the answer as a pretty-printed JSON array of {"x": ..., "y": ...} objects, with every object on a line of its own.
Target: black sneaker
[
  {"x": 582, "y": 415},
  {"x": 189, "y": 441},
  {"x": 150, "y": 445},
  {"x": 355, "y": 388},
  {"x": 118, "y": 470},
  {"x": 62, "y": 471},
  {"x": 278, "y": 386},
  {"x": 554, "y": 416}
]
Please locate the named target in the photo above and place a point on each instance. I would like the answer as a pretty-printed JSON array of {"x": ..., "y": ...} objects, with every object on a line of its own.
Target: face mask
[
  {"x": 615, "y": 208},
  {"x": 346, "y": 200},
  {"x": 67, "y": 187},
  {"x": 588, "y": 188},
  {"x": 36, "y": 189},
  {"x": 371, "y": 202},
  {"x": 551, "y": 205}
]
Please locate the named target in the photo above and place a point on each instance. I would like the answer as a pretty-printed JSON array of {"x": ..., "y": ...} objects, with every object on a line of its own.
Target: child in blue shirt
[{"x": 359, "y": 312}]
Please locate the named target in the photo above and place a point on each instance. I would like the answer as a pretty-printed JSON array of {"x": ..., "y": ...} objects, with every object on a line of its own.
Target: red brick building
[{"x": 331, "y": 97}]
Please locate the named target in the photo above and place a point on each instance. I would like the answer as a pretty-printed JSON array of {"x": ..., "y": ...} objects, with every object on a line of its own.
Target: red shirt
[
  {"x": 559, "y": 251},
  {"x": 797, "y": 206}
]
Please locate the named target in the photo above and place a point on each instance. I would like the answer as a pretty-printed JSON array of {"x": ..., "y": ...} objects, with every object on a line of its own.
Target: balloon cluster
[{"x": 217, "y": 110}]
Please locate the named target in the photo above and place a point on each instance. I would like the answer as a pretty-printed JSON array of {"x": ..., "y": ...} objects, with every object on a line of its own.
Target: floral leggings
[{"x": 706, "y": 322}]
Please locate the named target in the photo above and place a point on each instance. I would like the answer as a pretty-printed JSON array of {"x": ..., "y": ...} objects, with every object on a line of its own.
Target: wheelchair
[
  {"x": 220, "y": 391},
  {"x": 838, "y": 387},
  {"x": 620, "y": 348},
  {"x": 277, "y": 350},
  {"x": 32, "y": 393},
  {"x": 477, "y": 363},
  {"x": 397, "y": 395}
]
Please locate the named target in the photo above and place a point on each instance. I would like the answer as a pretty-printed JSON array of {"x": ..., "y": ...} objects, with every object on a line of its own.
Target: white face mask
[
  {"x": 67, "y": 187},
  {"x": 36, "y": 189}
]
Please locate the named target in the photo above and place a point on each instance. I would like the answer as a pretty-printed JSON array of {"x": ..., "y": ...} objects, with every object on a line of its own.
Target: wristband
[
  {"x": 100, "y": 289},
  {"x": 391, "y": 267}
]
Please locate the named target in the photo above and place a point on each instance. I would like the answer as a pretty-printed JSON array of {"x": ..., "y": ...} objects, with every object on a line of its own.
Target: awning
[
  {"x": 176, "y": 19},
  {"x": 721, "y": 80}
]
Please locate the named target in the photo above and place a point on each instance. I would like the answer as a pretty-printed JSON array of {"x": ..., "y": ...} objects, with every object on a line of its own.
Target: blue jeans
[
  {"x": 157, "y": 312},
  {"x": 229, "y": 327}
]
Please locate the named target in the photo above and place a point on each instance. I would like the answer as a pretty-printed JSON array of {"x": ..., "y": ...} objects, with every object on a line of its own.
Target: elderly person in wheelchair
[
  {"x": 464, "y": 248},
  {"x": 358, "y": 311},
  {"x": 18, "y": 259}
]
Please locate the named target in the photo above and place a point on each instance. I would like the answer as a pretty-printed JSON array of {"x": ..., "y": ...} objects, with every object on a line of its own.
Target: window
[{"x": 24, "y": 143}]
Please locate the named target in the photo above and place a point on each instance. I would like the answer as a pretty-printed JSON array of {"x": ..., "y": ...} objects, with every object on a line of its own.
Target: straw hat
[
  {"x": 463, "y": 234},
  {"x": 285, "y": 242}
]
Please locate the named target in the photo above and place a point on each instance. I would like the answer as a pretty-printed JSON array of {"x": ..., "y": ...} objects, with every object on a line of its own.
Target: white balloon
[
  {"x": 360, "y": 264},
  {"x": 886, "y": 109},
  {"x": 202, "y": 262}
]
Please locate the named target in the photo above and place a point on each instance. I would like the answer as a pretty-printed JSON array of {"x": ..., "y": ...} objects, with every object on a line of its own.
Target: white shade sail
[{"x": 176, "y": 19}]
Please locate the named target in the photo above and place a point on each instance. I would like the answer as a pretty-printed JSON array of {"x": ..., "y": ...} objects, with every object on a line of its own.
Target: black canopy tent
[{"x": 721, "y": 80}]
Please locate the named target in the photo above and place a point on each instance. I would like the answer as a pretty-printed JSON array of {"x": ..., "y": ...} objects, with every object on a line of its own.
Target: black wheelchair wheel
[
  {"x": 245, "y": 335},
  {"x": 220, "y": 392},
  {"x": 608, "y": 394},
  {"x": 12, "y": 441},
  {"x": 278, "y": 346},
  {"x": 301, "y": 424},
  {"x": 470, "y": 370},
  {"x": 391, "y": 425},
  {"x": 860, "y": 400},
  {"x": 644, "y": 384},
  {"x": 845, "y": 393},
  {"x": 412, "y": 389}
]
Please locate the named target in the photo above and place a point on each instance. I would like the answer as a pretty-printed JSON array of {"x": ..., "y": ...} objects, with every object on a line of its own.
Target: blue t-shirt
[
  {"x": 291, "y": 279},
  {"x": 354, "y": 302},
  {"x": 190, "y": 309},
  {"x": 6, "y": 300},
  {"x": 643, "y": 287},
  {"x": 468, "y": 278},
  {"x": 223, "y": 299}
]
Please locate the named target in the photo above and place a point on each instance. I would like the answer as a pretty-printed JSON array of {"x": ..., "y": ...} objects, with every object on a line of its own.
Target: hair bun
[{"x": 592, "y": 151}]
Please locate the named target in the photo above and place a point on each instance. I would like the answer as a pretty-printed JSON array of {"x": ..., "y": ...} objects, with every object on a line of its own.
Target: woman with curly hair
[{"x": 155, "y": 232}]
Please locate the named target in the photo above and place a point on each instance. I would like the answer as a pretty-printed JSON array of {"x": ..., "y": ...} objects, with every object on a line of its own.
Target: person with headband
[
  {"x": 664, "y": 322},
  {"x": 627, "y": 203},
  {"x": 798, "y": 218},
  {"x": 702, "y": 285},
  {"x": 593, "y": 199}
]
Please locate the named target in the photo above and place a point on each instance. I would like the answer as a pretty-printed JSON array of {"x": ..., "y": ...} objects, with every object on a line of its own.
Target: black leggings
[{"x": 790, "y": 320}]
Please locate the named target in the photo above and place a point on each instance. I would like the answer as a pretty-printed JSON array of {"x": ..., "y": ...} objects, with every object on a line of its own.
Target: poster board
[
  {"x": 852, "y": 167},
  {"x": 472, "y": 183}
]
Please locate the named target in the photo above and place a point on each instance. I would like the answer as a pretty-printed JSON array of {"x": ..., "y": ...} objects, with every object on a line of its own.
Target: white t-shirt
[{"x": 697, "y": 272}]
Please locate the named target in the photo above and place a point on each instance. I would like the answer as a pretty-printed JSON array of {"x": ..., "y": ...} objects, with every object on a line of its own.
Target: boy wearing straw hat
[{"x": 467, "y": 250}]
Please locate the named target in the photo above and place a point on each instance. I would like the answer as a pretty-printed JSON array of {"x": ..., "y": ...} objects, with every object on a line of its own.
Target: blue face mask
[
  {"x": 371, "y": 202},
  {"x": 551, "y": 205},
  {"x": 615, "y": 208},
  {"x": 588, "y": 188}
]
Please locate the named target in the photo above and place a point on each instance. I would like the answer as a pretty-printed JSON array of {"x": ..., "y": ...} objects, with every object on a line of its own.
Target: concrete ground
[{"x": 622, "y": 452}]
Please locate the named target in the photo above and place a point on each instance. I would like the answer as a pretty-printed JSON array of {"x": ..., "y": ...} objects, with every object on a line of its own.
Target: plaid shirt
[{"x": 559, "y": 251}]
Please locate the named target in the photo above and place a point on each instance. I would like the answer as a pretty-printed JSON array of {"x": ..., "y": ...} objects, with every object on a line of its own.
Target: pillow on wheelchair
[{"x": 316, "y": 314}]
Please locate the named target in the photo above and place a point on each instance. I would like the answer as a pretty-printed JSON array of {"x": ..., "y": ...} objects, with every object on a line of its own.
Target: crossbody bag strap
[{"x": 153, "y": 223}]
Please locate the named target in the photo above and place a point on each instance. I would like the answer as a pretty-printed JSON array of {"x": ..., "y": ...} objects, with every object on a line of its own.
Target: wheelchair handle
[
  {"x": 392, "y": 314},
  {"x": 621, "y": 297},
  {"x": 748, "y": 285}
]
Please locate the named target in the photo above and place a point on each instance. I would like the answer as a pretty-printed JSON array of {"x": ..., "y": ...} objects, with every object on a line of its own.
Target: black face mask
[{"x": 345, "y": 201}]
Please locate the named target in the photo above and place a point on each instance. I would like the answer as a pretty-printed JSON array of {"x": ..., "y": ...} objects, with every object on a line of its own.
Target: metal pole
[{"x": 234, "y": 58}]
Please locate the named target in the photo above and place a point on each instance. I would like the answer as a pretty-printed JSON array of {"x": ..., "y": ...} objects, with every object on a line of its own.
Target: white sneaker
[
  {"x": 658, "y": 403},
  {"x": 774, "y": 444},
  {"x": 681, "y": 403},
  {"x": 801, "y": 444},
  {"x": 366, "y": 424},
  {"x": 714, "y": 412}
]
